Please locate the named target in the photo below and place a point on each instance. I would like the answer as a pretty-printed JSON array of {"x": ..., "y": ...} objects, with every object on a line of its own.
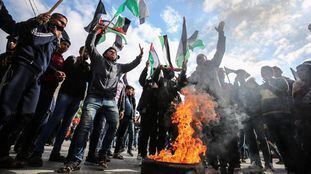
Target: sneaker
[
  {"x": 280, "y": 162},
  {"x": 118, "y": 156},
  {"x": 9, "y": 163},
  {"x": 130, "y": 153},
  {"x": 69, "y": 167},
  {"x": 35, "y": 161},
  {"x": 103, "y": 164},
  {"x": 57, "y": 158},
  {"x": 91, "y": 160}
]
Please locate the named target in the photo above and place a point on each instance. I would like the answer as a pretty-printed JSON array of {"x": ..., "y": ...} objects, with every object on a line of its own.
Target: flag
[
  {"x": 99, "y": 11},
  {"x": 143, "y": 11},
  {"x": 137, "y": 7},
  {"x": 183, "y": 51},
  {"x": 132, "y": 5},
  {"x": 115, "y": 31},
  {"x": 166, "y": 50},
  {"x": 122, "y": 23},
  {"x": 153, "y": 59},
  {"x": 194, "y": 42}
]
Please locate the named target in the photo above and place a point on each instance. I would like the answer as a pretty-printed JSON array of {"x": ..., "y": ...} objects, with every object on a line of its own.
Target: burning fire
[{"x": 197, "y": 108}]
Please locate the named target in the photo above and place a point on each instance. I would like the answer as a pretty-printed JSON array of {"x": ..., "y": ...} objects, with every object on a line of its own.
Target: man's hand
[
  {"x": 100, "y": 28},
  {"x": 220, "y": 27},
  {"x": 43, "y": 18},
  {"x": 147, "y": 63},
  {"x": 141, "y": 51},
  {"x": 60, "y": 75},
  {"x": 121, "y": 115}
]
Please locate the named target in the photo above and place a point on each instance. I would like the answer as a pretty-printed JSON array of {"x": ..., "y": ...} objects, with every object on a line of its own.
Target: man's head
[
  {"x": 57, "y": 22},
  {"x": 64, "y": 44},
  {"x": 266, "y": 72},
  {"x": 201, "y": 58},
  {"x": 304, "y": 71},
  {"x": 129, "y": 90},
  {"x": 277, "y": 72},
  {"x": 111, "y": 54},
  {"x": 168, "y": 73},
  {"x": 83, "y": 51}
]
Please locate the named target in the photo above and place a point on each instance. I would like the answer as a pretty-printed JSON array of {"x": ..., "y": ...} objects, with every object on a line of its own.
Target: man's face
[
  {"x": 64, "y": 45},
  {"x": 277, "y": 73},
  {"x": 59, "y": 22},
  {"x": 111, "y": 54},
  {"x": 303, "y": 73},
  {"x": 266, "y": 74},
  {"x": 130, "y": 92}
]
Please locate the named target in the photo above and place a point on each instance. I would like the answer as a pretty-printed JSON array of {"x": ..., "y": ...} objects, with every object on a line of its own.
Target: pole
[{"x": 55, "y": 6}]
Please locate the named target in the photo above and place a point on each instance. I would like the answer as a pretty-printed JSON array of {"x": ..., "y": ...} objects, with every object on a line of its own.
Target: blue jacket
[{"x": 35, "y": 47}]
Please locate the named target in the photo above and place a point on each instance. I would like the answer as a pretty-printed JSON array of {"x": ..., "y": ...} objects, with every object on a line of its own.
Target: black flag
[{"x": 99, "y": 11}]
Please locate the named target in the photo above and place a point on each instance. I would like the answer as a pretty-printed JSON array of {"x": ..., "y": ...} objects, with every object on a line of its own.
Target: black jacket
[
  {"x": 105, "y": 73},
  {"x": 77, "y": 76},
  {"x": 9, "y": 25}
]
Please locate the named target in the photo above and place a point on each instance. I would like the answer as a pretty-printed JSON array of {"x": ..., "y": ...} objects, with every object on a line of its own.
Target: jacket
[
  {"x": 105, "y": 73},
  {"x": 35, "y": 47}
]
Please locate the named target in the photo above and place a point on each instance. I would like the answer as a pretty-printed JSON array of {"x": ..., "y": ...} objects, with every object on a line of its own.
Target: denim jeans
[
  {"x": 66, "y": 107},
  {"x": 91, "y": 105}
]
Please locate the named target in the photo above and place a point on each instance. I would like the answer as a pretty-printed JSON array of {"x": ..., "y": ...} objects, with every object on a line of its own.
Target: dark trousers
[
  {"x": 124, "y": 124},
  {"x": 32, "y": 130},
  {"x": 256, "y": 126},
  {"x": 282, "y": 131},
  {"x": 97, "y": 133},
  {"x": 18, "y": 102},
  {"x": 148, "y": 131}
]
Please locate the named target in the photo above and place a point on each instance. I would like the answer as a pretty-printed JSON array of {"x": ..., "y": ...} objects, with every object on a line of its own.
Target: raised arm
[
  {"x": 10, "y": 26},
  {"x": 91, "y": 47},
  {"x": 143, "y": 75},
  {"x": 221, "y": 45},
  {"x": 129, "y": 66}
]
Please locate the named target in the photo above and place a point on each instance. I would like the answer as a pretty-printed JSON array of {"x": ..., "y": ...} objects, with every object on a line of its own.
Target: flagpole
[
  {"x": 227, "y": 74},
  {"x": 55, "y": 6}
]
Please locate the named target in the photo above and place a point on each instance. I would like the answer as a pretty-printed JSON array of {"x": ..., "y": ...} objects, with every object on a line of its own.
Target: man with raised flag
[{"x": 101, "y": 92}]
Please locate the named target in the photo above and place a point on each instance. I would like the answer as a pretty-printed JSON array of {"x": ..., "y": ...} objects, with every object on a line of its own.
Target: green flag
[
  {"x": 183, "y": 50},
  {"x": 132, "y": 5}
]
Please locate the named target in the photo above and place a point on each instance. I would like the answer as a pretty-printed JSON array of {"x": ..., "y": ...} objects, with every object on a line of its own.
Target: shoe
[
  {"x": 121, "y": 150},
  {"x": 35, "y": 161},
  {"x": 91, "y": 160},
  {"x": 130, "y": 153},
  {"x": 103, "y": 164},
  {"x": 118, "y": 156},
  {"x": 280, "y": 162},
  {"x": 7, "y": 162},
  {"x": 57, "y": 158},
  {"x": 109, "y": 153},
  {"x": 69, "y": 167}
]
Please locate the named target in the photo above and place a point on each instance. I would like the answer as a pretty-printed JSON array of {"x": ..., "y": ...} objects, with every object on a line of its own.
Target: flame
[{"x": 197, "y": 108}]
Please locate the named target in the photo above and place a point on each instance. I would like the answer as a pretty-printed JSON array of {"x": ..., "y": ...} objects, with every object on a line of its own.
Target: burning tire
[{"x": 156, "y": 167}]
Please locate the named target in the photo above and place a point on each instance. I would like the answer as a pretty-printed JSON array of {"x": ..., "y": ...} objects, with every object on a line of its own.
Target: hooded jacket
[{"x": 105, "y": 73}]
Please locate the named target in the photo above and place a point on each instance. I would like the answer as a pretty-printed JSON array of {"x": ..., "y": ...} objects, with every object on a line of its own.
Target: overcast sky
[{"x": 259, "y": 32}]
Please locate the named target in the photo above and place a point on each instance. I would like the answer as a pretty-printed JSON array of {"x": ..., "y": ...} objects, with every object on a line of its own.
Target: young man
[
  {"x": 20, "y": 93},
  {"x": 101, "y": 92},
  {"x": 68, "y": 101},
  {"x": 129, "y": 115},
  {"x": 50, "y": 80}
]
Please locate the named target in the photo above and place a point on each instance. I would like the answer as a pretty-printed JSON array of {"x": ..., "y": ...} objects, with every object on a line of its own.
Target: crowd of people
[{"x": 252, "y": 118}]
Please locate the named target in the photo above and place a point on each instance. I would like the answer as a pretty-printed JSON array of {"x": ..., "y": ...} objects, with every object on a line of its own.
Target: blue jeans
[
  {"x": 66, "y": 107},
  {"x": 91, "y": 105}
]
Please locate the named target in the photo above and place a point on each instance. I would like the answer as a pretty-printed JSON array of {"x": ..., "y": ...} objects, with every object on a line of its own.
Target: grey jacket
[{"x": 105, "y": 73}]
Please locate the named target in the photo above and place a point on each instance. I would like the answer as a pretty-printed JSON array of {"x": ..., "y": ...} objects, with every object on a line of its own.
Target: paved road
[{"x": 130, "y": 165}]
